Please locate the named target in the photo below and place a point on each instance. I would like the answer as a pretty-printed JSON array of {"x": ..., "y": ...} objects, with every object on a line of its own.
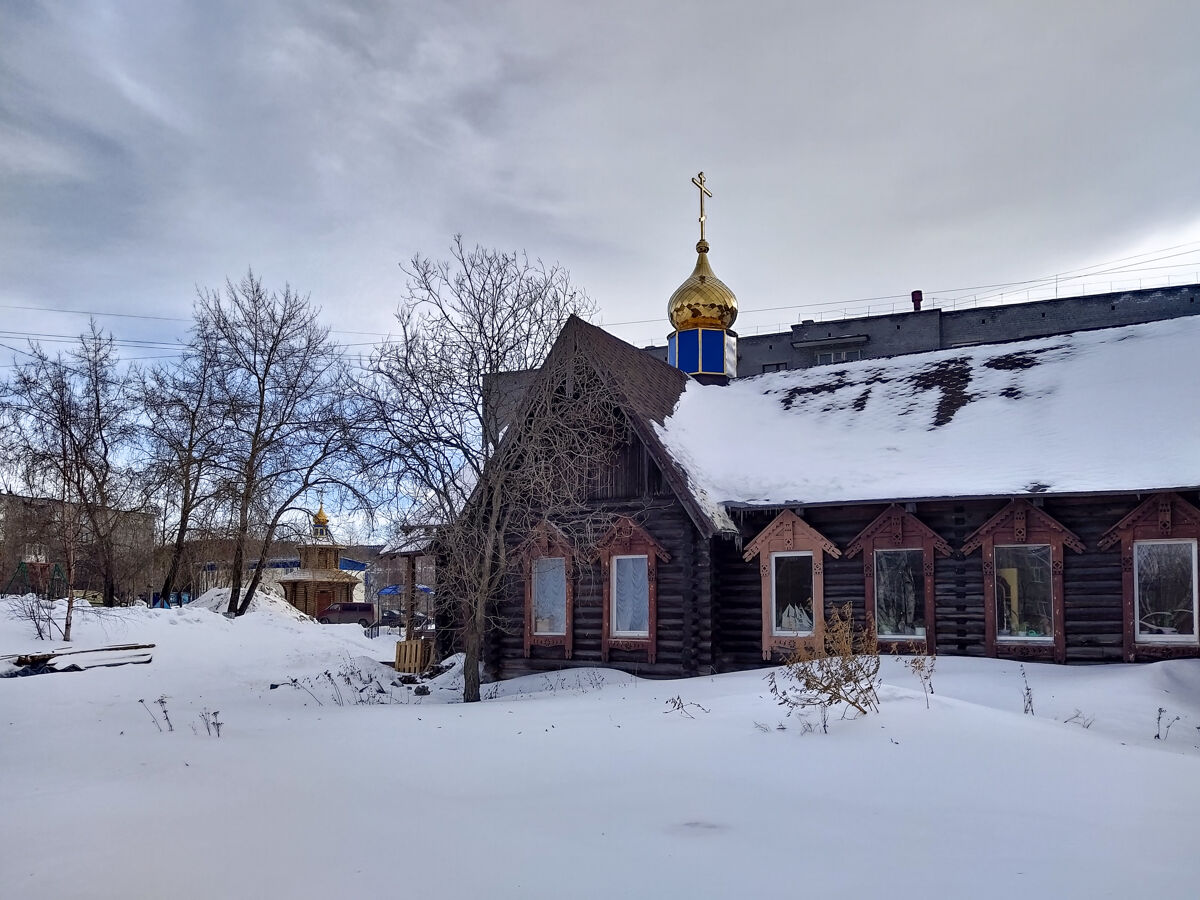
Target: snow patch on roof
[{"x": 1108, "y": 410}]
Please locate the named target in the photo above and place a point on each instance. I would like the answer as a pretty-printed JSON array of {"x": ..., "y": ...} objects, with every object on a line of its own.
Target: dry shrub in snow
[
  {"x": 844, "y": 671},
  {"x": 38, "y": 612}
]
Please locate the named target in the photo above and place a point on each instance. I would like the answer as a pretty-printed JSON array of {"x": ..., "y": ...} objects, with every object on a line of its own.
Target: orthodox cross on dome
[{"x": 698, "y": 181}]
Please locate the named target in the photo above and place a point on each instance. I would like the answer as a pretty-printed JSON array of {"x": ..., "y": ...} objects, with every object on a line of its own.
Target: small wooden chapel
[{"x": 319, "y": 582}]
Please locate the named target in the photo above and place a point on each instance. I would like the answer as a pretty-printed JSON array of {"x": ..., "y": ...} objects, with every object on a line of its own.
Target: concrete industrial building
[{"x": 812, "y": 343}]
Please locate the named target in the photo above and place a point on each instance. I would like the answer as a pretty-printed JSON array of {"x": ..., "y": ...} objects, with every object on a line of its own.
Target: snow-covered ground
[{"x": 583, "y": 784}]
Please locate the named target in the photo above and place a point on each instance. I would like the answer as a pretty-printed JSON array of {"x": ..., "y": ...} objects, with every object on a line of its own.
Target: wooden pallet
[{"x": 413, "y": 656}]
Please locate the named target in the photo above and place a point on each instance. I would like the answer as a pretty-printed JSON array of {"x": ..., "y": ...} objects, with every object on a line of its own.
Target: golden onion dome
[
  {"x": 320, "y": 518},
  {"x": 703, "y": 301}
]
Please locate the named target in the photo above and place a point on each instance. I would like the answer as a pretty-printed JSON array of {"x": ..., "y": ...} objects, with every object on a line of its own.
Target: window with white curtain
[
  {"x": 630, "y": 596},
  {"x": 550, "y": 595}
]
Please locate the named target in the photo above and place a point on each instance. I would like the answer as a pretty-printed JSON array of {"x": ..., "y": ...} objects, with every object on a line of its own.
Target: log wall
[
  {"x": 684, "y": 645},
  {"x": 1091, "y": 580},
  {"x": 635, "y": 488},
  {"x": 710, "y": 599}
]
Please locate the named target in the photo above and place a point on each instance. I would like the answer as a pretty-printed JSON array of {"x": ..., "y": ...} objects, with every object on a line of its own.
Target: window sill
[
  {"x": 1024, "y": 639},
  {"x": 641, "y": 644},
  {"x": 1186, "y": 640},
  {"x": 547, "y": 640}
]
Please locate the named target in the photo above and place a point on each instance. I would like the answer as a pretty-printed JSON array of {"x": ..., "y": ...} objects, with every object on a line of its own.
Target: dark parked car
[
  {"x": 360, "y": 613},
  {"x": 394, "y": 618},
  {"x": 391, "y": 618}
]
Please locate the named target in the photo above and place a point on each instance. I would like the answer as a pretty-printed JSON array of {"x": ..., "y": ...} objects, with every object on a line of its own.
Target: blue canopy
[{"x": 392, "y": 589}]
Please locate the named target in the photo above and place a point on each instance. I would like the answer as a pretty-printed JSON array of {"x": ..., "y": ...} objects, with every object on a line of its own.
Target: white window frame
[
  {"x": 1140, "y": 638},
  {"x": 1022, "y": 638},
  {"x": 833, "y": 357},
  {"x": 612, "y": 612},
  {"x": 533, "y": 575},
  {"x": 875, "y": 612},
  {"x": 775, "y": 632}
]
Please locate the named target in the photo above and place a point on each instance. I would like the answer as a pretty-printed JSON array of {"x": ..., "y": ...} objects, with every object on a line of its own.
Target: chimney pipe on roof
[{"x": 917, "y": 298}]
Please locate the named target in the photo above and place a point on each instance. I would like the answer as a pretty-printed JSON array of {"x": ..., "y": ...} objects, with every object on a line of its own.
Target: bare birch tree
[{"x": 460, "y": 321}]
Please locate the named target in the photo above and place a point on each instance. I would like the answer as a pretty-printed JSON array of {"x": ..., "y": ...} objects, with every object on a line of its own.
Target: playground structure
[{"x": 42, "y": 578}]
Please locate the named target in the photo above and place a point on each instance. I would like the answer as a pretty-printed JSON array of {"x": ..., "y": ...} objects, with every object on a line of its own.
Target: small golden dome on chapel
[
  {"x": 320, "y": 518},
  {"x": 703, "y": 301}
]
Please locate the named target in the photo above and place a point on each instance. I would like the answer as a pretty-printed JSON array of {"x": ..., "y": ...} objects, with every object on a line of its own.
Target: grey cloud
[{"x": 854, "y": 150}]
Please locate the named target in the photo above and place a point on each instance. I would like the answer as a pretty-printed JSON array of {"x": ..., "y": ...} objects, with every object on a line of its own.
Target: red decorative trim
[
  {"x": 912, "y": 529},
  {"x": 788, "y": 532},
  {"x": 1019, "y": 522},
  {"x": 547, "y": 541},
  {"x": 1020, "y": 516},
  {"x": 1157, "y": 517},
  {"x": 897, "y": 529},
  {"x": 1151, "y": 512},
  {"x": 627, "y": 538}
]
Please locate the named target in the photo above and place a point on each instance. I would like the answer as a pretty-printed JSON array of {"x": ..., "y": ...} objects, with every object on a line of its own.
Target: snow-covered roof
[
  {"x": 1108, "y": 410},
  {"x": 322, "y": 575}
]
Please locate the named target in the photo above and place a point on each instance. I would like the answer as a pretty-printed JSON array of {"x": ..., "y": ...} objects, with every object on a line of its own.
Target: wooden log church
[{"x": 1033, "y": 499}]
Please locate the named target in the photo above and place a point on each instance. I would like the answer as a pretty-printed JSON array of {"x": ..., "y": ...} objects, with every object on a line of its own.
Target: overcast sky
[{"x": 854, "y": 150}]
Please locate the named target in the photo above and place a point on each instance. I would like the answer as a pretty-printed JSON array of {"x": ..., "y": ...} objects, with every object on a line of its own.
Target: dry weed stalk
[
  {"x": 1027, "y": 694},
  {"x": 921, "y": 664}
]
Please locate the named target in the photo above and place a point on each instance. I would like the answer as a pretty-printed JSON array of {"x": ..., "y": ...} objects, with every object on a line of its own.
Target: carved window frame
[
  {"x": 898, "y": 529},
  {"x": 1020, "y": 523},
  {"x": 1160, "y": 517},
  {"x": 627, "y": 538},
  {"x": 547, "y": 542},
  {"x": 787, "y": 532}
]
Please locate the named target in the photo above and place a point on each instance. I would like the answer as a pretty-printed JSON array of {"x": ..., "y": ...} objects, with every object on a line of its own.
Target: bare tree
[
  {"x": 460, "y": 321},
  {"x": 179, "y": 433},
  {"x": 280, "y": 385},
  {"x": 70, "y": 417}
]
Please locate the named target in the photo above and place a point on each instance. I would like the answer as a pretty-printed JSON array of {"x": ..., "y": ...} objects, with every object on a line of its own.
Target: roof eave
[{"x": 934, "y": 498}]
